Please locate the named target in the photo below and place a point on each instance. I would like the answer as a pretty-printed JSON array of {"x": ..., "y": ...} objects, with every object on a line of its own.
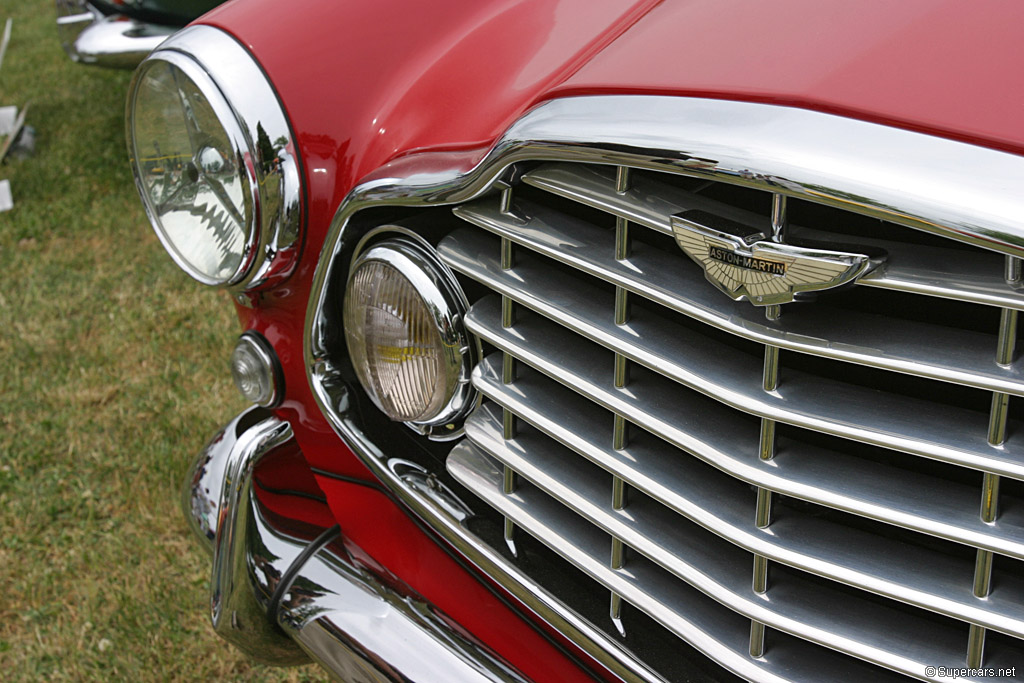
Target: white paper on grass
[
  {"x": 8, "y": 140},
  {"x": 8, "y": 117},
  {"x": 6, "y": 202}
]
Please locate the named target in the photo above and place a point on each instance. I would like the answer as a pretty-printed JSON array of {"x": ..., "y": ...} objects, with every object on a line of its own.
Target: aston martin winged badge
[{"x": 746, "y": 264}]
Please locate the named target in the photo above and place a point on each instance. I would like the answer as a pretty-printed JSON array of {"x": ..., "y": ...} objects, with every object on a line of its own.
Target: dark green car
[{"x": 119, "y": 33}]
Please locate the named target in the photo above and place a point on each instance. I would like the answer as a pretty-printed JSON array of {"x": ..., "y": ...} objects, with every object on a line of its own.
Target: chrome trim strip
[
  {"x": 271, "y": 156},
  {"x": 358, "y": 625},
  {"x": 945, "y": 187},
  {"x": 931, "y": 185}
]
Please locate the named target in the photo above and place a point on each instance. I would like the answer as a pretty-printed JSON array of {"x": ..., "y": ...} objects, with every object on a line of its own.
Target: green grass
[{"x": 113, "y": 372}]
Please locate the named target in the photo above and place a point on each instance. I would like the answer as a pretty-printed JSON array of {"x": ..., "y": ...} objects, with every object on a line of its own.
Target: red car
[{"x": 599, "y": 340}]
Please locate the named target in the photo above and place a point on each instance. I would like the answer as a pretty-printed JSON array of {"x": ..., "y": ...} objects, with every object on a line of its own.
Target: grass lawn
[{"x": 113, "y": 372}]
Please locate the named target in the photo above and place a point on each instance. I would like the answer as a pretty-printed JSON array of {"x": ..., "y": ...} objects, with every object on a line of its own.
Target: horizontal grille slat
[
  {"x": 921, "y": 270},
  {"x": 716, "y": 434},
  {"x": 731, "y": 377},
  {"x": 723, "y": 505},
  {"x": 915, "y": 348},
  {"x": 794, "y": 607},
  {"x": 690, "y": 614},
  {"x": 912, "y": 501}
]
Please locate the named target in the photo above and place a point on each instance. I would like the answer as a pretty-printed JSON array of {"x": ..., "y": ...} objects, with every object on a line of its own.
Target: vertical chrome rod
[
  {"x": 623, "y": 179},
  {"x": 778, "y": 217},
  {"x": 621, "y": 378},
  {"x": 998, "y": 415},
  {"x": 756, "y": 639},
  {"x": 618, "y": 558},
  {"x": 766, "y": 448},
  {"x": 508, "y": 370}
]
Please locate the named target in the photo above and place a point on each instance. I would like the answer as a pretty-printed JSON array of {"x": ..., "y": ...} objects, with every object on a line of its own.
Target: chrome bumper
[
  {"x": 113, "y": 41},
  {"x": 282, "y": 591}
]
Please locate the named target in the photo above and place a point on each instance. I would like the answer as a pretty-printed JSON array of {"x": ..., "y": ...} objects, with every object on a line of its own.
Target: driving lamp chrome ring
[
  {"x": 263, "y": 149},
  {"x": 415, "y": 272}
]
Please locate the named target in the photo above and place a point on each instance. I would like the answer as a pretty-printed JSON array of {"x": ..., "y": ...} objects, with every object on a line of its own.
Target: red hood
[{"x": 948, "y": 67}]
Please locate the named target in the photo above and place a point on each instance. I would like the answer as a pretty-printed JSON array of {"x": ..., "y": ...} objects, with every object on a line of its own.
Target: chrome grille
[{"x": 641, "y": 424}]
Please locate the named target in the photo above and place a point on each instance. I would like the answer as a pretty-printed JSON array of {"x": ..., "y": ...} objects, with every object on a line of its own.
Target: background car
[
  {"x": 660, "y": 341},
  {"x": 120, "y": 33}
]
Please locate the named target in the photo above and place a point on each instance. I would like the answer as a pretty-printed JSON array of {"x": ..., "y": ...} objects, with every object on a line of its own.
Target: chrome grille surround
[{"x": 707, "y": 523}]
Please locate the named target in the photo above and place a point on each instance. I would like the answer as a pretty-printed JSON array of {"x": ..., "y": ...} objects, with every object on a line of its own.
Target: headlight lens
[
  {"x": 191, "y": 172},
  {"x": 403, "y": 317}
]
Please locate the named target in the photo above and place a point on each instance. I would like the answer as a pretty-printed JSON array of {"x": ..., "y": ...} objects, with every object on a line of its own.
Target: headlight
[
  {"x": 213, "y": 159},
  {"x": 403, "y": 317},
  {"x": 190, "y": 163}
]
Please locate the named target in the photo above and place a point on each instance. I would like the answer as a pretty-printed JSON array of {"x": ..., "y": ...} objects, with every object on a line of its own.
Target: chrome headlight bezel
[{"x": 248, "y": 109}]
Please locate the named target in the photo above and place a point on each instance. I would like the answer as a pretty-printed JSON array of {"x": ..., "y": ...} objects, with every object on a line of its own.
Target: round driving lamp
[
  {"x": 256, "y": 370},
  {"x": 403, "y": 316}
]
